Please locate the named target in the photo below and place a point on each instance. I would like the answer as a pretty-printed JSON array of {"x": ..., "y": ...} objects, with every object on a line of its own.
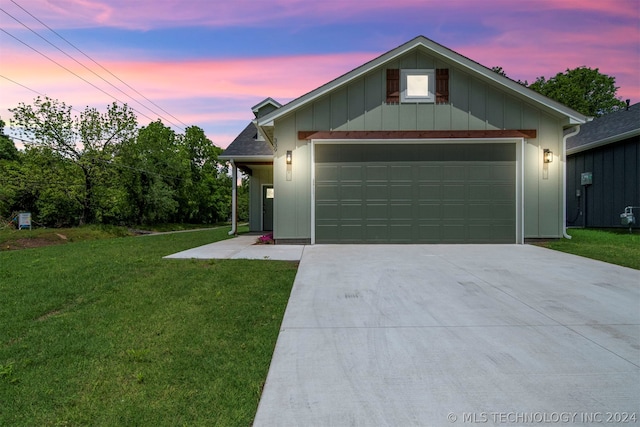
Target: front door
[{"x": 267, "y": 208}]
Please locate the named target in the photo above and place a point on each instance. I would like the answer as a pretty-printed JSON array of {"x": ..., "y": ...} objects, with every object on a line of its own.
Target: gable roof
[
  {"x": 266, "y": 102},
  {"x": 604, "y": 130},
  {"x": 572, "y": 117},
  {"x": 247, "y": 147}
]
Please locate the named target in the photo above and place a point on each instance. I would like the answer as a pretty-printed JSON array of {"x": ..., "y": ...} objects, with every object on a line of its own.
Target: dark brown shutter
[
  {"x": 393, "y": 86},
  {"x": 442, "y": 86}
]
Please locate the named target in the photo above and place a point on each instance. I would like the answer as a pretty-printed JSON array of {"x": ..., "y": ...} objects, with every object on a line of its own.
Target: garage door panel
[
  {"x": 503, "y": 233},
  {"x": 480, "y": 192},
  {"x": 502, "y": 192},
  {"x": 400, "y": 211},
  {"x": 351, "y": 173},
  {"x": 349, "y": 211},
  {"x": 378, "y": 191},
  {"x": 351, "y": 232},
  {"x": 429, "y": 173},
  {"x": 328, "y": 231},
  {"x": 503, "y": 212},
  {"x": 453, "y": 173},
  {"x": 453, "y": 211},
  {"x": 453, "y": 233},
  {"x": 401, "y": 192},
  {"x": 453, "y": 192},
  {"x": 376, "y": 233},
  {"x": 430, "y": 192},
  {"x": 429, "y": 211},
  {"x": 377, "y": 173},
  {"x": 327, "y": 173},
  {"x": 479, "y": 211},
  {"x": 328, "y": 211},
  {"x": 376, "y": 211},
  {"x": 350, "y": 192},
  {"x": 326, "y": 192},
  {"x": 401, "y": 233},
  {"x": 415, "y": 199},
  {"x": 505, "y": 173},
  {"x": 401, "y": 173},
  {"x": 480, "y": 173}
]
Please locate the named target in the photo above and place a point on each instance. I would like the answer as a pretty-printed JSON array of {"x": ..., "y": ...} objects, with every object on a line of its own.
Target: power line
[
  {"x": 99, "y": 65},
  {"x": 81, "y": 64},
  {"x": 65, "y": 68},
  {"x": 32, "y": 90}
]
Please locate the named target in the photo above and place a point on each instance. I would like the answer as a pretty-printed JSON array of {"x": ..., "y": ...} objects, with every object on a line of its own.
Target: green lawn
[
  {"x": 107, "y": 333},
  {"x": 613, "y": 246}
]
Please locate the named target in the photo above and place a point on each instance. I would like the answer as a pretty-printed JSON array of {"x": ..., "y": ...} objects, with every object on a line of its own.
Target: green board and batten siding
[
  {"x": 475, "y": 104},
  {"x": 415, "y": 193}
]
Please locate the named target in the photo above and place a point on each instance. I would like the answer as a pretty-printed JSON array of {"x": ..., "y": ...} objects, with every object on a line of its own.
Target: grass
[
  {"x": 613, "y": 246},
  {"x": 11, "y": 239},
  {"x": 106, "y": 332}
]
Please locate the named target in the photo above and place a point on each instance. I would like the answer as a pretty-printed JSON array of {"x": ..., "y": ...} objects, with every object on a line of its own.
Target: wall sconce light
[
  {"x": 547, "y": 156},
  {"x": 288, "y": 157}
]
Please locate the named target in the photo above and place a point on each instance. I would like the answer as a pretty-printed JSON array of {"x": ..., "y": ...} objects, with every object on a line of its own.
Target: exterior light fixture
[
  {"x": 288, "y": 157},
  {"x": 547, "y": 156}
]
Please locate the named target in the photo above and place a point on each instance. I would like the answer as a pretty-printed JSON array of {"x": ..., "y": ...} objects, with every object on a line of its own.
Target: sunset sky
[{"x": 207, "y": 62}]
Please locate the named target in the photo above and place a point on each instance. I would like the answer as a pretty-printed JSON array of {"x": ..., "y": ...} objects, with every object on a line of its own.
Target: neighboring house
[
  {"x": 420, "y": 145},
  {"x": 603, "y": 170}
]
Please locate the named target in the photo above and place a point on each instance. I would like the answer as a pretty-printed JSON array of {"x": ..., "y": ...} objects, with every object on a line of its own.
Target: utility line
[
  {"x": 82, "y": 65},
  {"x": 99, "y": 65},
  {"x": 32, "y": 90},
  {"x": 65, "y": 68}
]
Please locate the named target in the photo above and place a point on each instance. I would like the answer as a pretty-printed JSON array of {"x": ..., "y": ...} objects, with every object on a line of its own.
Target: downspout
[
  {"x": 564, "y": 180},
  {"x": 234, "y": 199}
]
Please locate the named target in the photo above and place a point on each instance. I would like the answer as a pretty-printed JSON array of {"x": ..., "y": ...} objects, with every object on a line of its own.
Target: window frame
[{"x": 431, "y": 86}]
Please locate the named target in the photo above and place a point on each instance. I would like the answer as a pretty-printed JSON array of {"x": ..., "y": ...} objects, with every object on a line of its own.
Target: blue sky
[{"x": 207, "y": 62}]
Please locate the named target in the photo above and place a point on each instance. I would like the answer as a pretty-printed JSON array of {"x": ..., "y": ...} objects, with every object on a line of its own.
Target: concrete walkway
[
  {"x": 243, "y": 247},
  {"x": 437, "y": 335}
]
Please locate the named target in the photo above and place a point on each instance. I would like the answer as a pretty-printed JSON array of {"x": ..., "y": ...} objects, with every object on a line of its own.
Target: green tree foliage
[
  {"x": 151, "y": 171},
  {"x": 101, "y": 168},
  {"x": 8, "y": 150},
  {"x": 584, "y": 89},
  {"x": 9, "y": 174},
  {"x": 88, "y": 141}
]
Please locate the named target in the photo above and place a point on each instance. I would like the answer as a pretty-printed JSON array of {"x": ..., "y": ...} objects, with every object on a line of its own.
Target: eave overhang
[{"x": 604, "y": 141}]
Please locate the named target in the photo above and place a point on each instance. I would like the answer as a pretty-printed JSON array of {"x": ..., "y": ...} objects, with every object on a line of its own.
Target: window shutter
[
  {"x": 393, "y": 86},
  {"x": 442, "y": 86}
]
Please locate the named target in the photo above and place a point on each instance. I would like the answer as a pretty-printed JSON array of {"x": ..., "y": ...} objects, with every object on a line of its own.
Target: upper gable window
[{"x": 417, "y": 86}]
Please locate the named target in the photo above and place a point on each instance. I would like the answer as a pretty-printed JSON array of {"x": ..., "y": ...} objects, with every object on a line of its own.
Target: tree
[
  {"x": 584, "y": 89},
  {"x": 88, "y": 141},
  {"x": 206, "y": 191},
  {"x": 8, "y": 150},
  {"x": 151, "y": 167}
]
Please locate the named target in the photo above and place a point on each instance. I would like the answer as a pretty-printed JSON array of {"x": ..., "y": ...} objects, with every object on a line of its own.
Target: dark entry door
[{"x": 267, "y": 208}]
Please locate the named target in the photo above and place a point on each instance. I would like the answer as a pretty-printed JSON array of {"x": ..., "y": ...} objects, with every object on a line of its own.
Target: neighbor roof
[
  {"x": 604, "y": 130},
  {"x": 573, "y": 117},
  {"x": 248, "y": 147}
]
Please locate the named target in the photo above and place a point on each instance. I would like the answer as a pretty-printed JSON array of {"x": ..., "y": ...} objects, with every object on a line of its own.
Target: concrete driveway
[{"x": 437, "y": 335}]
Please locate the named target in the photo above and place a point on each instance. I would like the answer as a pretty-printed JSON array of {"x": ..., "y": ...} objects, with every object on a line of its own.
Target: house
[
  {"x": 420, "y": 145},
  {"x": 603, "y": 170}
]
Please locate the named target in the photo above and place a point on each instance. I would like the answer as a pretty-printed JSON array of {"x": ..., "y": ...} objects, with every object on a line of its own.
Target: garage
[{"x": 399, "y": 192}]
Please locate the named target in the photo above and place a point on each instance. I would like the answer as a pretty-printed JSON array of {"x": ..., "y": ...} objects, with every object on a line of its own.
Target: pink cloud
[{"x": 207, "y": 93}]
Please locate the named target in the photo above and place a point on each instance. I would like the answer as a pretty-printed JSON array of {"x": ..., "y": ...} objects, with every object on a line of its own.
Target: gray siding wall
[
  {"x": 616, "y": 184},
  {"x": 474, "y": 105}
]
